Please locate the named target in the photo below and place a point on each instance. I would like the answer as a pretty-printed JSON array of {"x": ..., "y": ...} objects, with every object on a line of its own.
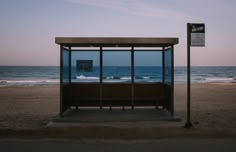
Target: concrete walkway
[
  {"x": 166, "y": 145},
  {"x": 116, "y": 118},
  {"x": 116, "y": 115}
]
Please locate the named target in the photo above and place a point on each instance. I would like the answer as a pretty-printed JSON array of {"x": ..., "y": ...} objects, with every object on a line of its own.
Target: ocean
[{"x": 46, "y": 75}]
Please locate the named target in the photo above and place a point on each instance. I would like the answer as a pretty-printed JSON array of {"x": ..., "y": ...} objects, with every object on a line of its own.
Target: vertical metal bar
[
  {"x": 101, "y": 76},
  {"x": 172, "y": 80},
  {"x": 61, "y": 80},
  {"x": 163, "y": 65},
  {"x": 188, "y": 123},
  {"x": 69, "y": 66},
  {"x": 69, "y": 77},
  {"x": 163, "y": 76},
  {"x": 132, "y": 77}
]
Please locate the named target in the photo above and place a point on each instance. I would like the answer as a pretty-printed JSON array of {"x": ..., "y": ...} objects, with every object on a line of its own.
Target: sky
[{"x": 28, "y": 27}]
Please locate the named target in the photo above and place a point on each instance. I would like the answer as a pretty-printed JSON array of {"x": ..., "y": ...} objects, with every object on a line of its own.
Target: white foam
[
  {"x": 108, "y": 78},
  {"x": 219, "y": 79},
  {"x": 28, "y": 81},
  {"x": 113, "y": 80},
  {"x": 82, "y": 77},
  {"x": 146, "y": 77},
  {"x": 125, "y": 78}
]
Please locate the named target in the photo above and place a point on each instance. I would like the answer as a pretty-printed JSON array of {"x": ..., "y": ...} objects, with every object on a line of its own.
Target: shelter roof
[{"x": 116, "y": 41}]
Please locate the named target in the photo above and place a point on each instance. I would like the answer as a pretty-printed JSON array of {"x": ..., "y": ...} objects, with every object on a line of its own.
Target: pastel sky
[{"x": 28, "y": 27}]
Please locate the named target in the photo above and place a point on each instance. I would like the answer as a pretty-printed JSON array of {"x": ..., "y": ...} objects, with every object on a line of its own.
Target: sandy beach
[{"x": 30, "y": 108}]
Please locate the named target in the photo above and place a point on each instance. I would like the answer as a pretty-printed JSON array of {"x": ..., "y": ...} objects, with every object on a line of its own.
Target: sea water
[
  {"x": 28, "y": 75},
  {"x": 46, "y": 75}
]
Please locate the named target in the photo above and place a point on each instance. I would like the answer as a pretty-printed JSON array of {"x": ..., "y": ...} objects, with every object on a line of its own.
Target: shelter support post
[
  {"x": 132, "y": 78},
  {"x": 101, "y": 77},
  {"x": 69, "y": 65},
  {"x": 69, "y": 76},
  {"x": 61, "y": 81},
  {"x": 172, "y": 80},
  {"x": 163, "y": 74},
  {"x": 163, "y": 65}
]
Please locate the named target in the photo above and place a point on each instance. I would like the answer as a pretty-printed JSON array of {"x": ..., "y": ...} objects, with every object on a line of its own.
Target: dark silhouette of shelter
[{"x": 124, "y": 94}]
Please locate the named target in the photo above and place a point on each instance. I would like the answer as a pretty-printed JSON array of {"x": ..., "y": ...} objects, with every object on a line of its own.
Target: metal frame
[
  {"x": 131, "y": 42},
  {"x": 132, "y": 78},
  {"x": 172, "y": 80},
  {"x": 101, "y": 75},
  {"x": 188, "y": 123},
  {"x": 116, "y": 41},
  {"x": 61, "y": 81}
]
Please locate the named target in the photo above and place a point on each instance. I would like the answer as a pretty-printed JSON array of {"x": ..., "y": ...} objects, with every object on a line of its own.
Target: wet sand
[{"x": 30, "y": 108}]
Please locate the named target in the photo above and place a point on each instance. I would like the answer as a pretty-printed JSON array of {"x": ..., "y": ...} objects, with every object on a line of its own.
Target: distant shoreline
[
  {"x": 58, "y": 85},
  {"x": 47, "y": 75},
  {"x": 144, "y": 66}
]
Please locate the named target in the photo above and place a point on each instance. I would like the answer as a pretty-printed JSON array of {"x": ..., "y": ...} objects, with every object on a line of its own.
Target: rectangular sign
[
  {"x": 84, "y": 65},
  {"x": 197, "y": 34}
]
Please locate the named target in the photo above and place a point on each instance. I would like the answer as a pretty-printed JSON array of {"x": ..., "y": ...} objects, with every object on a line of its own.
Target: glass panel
[
  {"x": 168, "y": 63},
  {"x": 148, "y": 66},
  {"x": 65, "y": 77},
  {"x": 117, "y": 66},
  {"x": 85, "y": 66}
]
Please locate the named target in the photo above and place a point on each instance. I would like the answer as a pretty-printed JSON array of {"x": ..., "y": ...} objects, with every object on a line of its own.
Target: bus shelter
[{"x": 78, "y": 54}]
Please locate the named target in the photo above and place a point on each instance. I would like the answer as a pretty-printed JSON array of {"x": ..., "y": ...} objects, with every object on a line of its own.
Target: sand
[
  {"x": 30, "y": 108},
  {"x": 213, "y": 105}
]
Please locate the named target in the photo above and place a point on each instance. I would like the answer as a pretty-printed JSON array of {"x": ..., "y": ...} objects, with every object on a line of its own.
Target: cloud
[{"x": 141, "y": 8}]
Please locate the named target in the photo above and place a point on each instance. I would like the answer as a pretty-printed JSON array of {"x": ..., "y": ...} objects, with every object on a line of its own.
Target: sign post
[{"x": 195, "y": 37}]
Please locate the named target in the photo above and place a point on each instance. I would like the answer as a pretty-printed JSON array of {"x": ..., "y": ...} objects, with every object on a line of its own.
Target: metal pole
[
  {"x": 163, "y": 65},
  {"x": 172, "y": 80},
  {"x": 69, "y": 65},
  {"x": 101, "y": 76},
  {"x": 132, "y": 77},
  {"x": 69, "y": 77},
  {"x": 188, "y": 123},
  {"x": 61, "y": 80},
  {"x": 163, "y": 76}
]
